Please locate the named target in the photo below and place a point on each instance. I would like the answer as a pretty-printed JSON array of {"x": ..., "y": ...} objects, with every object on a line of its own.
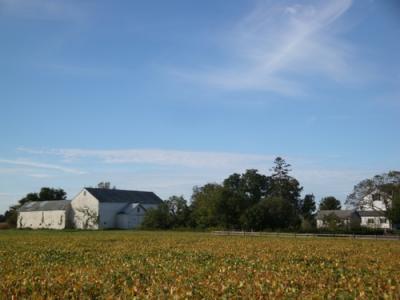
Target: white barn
[
  {"x": 44, "y": 214},
  {"x": 96, "y": 208},
  {"x": 92, "y": 208}
]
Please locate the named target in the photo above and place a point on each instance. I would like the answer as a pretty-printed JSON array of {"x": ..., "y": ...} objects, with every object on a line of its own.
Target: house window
[
  {"x": 382, "y": 220},
  {"x": 371, "y": 221},
  {"x": 138, "y": 209},
  {"x": 376, "y": 197},
  {"x": 84, "y": 193}
]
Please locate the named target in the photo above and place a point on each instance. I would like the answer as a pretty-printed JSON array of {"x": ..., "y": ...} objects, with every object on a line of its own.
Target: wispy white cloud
[
  {"x": 32, "y": 164},
  {"x": 179, "y": 171},
  {"x": 275, "y": 44},
  {"x": 39, "y": 175},
  {"x": 160, "y": 157}
]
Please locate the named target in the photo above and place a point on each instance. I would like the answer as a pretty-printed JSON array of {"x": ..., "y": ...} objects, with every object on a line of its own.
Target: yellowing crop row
[{"x": 129, "y": 264}]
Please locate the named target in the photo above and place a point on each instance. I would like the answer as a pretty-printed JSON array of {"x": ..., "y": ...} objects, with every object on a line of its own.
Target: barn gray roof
[
  {"x": 341, "y": 214},
  {"x": 45, "y": 205},
  {"x": 114, "y": 195},
  {"x": 371, "y": 213}
]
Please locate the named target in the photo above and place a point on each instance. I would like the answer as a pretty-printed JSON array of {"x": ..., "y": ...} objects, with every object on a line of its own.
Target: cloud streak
[
  {"x": 191, "y": 159},
  {"x": 274, "y": 45},
  {"x": 26, "y": 163},
  {"x": 178, "y": 171}
]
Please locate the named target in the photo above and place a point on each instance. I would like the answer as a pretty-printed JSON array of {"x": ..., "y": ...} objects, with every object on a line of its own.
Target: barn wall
[
  {"x": 132, "y": 218},
  {"x": 135, "y": 220},
  {"x": 108, "y": 213},
  {"x": 85, "y": 211},
  {"x": 53, "y": 219}
]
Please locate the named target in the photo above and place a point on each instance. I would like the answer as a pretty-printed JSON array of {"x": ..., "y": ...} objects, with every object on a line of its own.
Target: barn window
[{"x": 376, "y": 197}]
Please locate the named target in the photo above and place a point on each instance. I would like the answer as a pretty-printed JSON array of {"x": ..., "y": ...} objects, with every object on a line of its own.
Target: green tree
[
  {"x": 240, "y": 191},
  {"x": 11, "y": 216},
  {"x": 158, "y": 218},
  {"x": 270, "y": 213},
  {"x": 206, "y": 204},
  {"x": 179, "y": 211},
  {"x": 329, "y": 203},
  {"x": 48, "y": 194},
  {"x": 251, "y": 186},
  {"x": 281, "y": 169},
  {"x": 281, "y": 185},
  {"x": 393, "y": 212},
  {"x": 308, "y": 207},
  {"x": 332, "y": 222}
]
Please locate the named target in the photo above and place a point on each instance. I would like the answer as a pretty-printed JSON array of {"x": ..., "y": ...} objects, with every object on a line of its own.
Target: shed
[
  {"x": 52, "y": 214},
  {"x": 345, "y": 217}
]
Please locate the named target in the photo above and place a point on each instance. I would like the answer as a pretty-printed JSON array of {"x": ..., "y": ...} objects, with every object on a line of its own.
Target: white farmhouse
[
  {"x": 96, "y": 208},
  {"x": 376, "y": 201},
  {"x": 374, "y": 219},
  {"x": 44, "y": 214},
  {"x": 372, "y": 210}
]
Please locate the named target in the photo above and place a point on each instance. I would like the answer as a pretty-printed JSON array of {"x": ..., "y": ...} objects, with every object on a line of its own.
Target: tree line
[
  {"x": 253, "y": 201},
  {"x": 248, "y": 201}
]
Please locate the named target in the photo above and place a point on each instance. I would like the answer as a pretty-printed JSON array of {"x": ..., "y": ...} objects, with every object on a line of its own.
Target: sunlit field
[{"x": 128, "y": 264}]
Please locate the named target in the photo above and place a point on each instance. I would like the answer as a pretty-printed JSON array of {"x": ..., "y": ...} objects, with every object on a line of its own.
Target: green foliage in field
[{"x": 125, "y": 265}]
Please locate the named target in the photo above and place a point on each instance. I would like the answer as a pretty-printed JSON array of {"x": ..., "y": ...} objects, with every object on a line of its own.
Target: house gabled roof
[
  {"x": 114, "y": 195},
  {"x": 341, "y": 214},
  {"x": 45, "y": 205}
]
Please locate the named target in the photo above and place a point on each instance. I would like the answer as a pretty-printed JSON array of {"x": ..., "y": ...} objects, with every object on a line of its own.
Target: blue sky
[{"x": 165, "y": 95}]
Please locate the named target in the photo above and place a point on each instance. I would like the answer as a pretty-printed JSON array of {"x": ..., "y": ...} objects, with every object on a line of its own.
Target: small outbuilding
[
  {"x": 52, "y": 214},
  {"x": 346, "y": 218}
]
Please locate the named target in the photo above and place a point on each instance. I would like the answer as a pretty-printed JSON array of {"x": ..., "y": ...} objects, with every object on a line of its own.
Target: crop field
[{"x": 164, "y": 265}]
